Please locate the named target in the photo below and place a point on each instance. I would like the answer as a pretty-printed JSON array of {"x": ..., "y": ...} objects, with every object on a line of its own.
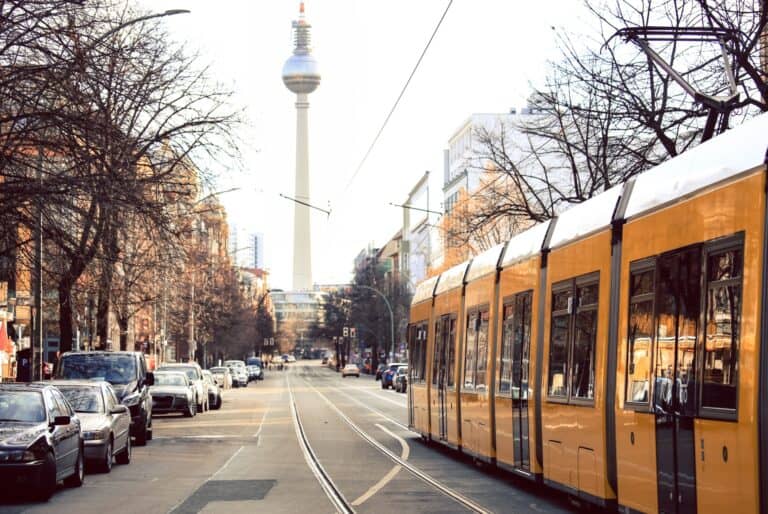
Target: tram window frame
[
  {"x": 453, "y": 324},
  {"x": 638, "y": 267},
  {"x": 723, "y": 246},
  {"x": 510, "y": 323},
  {"x": 435, "y": 355},
  {"x": 570, "y": 313},
  {"x": 477, "y": 313},
  {"x": 418, "y": 364}
]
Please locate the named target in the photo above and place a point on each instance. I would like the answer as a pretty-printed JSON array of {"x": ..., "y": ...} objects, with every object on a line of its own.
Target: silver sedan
[{"x": 105, "y": 422}]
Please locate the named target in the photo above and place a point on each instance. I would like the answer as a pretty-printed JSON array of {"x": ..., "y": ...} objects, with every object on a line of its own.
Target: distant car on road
[
  {"x": 401, "y": 379},
  {"x": 350, "y": 370},
  {"x": 40, "y": 439},
  {"x": 173, "y": 392},
  {"x": 105, "y": 422},
  {"x": 254, "y": 372},
  {"x": 128, "y": 374},
  {"x": 223, "y": 376},
  {"x": 291, "y": 358},
  {"x": 214, "y": 392},
  {"x": 387, "y": 377}
]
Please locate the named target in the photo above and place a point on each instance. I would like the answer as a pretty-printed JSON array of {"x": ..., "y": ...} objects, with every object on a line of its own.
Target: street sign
[
  {"x": 345, "y": 332},
  {"x": 352, "y": 332}
]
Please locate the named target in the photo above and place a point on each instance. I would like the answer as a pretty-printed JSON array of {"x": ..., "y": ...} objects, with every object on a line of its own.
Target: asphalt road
[{"x": 302, "y": 440}]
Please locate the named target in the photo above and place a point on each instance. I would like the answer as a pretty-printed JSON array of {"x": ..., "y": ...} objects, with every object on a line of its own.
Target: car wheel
[
  {"x": 47, "y": 482},
  {"x": 383, "y": 385},
  {"x": 217, "y": 405},
  {"x": 78, "y": 477},
  {"x": 191, "y": 410},
  {"x": 124, "y": 457},
  {"x": 105, "y": 466},
  {"x": 141, "y": 435}
]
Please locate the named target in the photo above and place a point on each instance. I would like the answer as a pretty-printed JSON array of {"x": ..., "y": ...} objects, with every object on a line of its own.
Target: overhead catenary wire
[{"x": 397, "y": 100}]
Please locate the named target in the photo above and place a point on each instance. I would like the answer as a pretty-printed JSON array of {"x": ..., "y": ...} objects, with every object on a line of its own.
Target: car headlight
[
  {"x": 132, "y": 399},
  {"x": 92, "y": 435}
]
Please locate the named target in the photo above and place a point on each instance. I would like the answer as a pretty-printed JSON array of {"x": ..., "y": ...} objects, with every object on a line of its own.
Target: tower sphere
[{"x": 301, "y": 74}]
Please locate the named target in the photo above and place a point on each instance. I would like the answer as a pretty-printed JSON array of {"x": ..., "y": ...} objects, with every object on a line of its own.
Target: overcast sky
[{"x": 483, "y": 59}]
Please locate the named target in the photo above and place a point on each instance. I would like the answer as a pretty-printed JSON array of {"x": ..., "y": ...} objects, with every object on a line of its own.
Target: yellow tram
[{"x": 619, "y": 352}]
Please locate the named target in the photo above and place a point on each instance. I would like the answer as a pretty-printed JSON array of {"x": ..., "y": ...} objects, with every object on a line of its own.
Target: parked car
[
  {"x": 254, "y": 372},
  {"x": 173, "y": 392},
  {"x": 325, "y": 359},
  {"x": 128, "y": 375},
  {"x": 387, "y": 377},
  {"x": 40, "y": 439},
  {"x": 214, "y": 392},
  {"x": 106, "y": 423},
  {"x": 291, "y": 358},
  {"x": 223, "y": 376},
  {"x": 350, "y": 370},
  {"x": 256, "y": 361},
  {"x": 379, "y": 370},
  {"x": 195, "y": 375},
  {"x": 401, "y": 379},
  {"x": 239, "y": 372}
]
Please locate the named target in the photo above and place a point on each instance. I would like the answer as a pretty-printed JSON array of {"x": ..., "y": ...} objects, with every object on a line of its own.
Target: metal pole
[{"x": 37, "y": 329}]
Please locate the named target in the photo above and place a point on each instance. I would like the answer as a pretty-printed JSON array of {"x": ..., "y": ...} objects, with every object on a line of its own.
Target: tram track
[
  {"x": 334, "y": 494},
  {"x": 413, "y": 470}
]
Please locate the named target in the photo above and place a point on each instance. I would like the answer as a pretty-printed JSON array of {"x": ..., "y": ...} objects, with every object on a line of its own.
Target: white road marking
[
  {"x": 381, "y": 396},
  {"x": 229, "y": 461},
  {"x": 375, "y": 488},
  {"x": 372, "y": 409}
]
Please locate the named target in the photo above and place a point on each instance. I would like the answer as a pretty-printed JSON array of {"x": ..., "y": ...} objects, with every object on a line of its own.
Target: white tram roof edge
[
  {"x": 586, "y": 218},
  {"x": 525, "y": 244},
  {"x": 452, "y": 278},
  {"x": 424, "y": 290},
  {"x": 485, "y": 263},
  {"x": 731, "y": 153}
]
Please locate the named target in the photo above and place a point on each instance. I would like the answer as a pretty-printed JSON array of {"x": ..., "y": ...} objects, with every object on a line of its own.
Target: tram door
[
  {"x": 441, "y": 359},
  {"x": 678, "y": 308},
  {"x": 521, "y": 345}
]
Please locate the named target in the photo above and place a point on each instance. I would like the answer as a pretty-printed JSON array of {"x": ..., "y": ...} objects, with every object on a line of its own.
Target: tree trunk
[
  {"x": 66, "y": 329},
  {"x": 110, "y": 249},
  {"x": 123, "y": 324}
]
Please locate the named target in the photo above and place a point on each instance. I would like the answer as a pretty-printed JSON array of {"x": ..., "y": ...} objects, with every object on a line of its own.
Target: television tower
[{"x": 301, "y": 75}]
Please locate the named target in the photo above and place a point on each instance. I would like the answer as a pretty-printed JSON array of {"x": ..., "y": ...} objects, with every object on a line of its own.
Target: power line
[{"x": 399, "y": 97}]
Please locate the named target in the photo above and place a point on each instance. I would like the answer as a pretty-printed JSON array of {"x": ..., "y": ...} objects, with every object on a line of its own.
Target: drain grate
[{"x": 225, "y": 490}]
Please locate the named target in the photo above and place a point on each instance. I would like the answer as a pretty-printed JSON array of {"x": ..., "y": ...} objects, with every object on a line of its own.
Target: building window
[{"x": 572, "y": 339}]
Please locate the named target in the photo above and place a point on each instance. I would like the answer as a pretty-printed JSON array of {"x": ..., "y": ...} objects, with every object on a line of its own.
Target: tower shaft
[{"x": 302, "y": 243}]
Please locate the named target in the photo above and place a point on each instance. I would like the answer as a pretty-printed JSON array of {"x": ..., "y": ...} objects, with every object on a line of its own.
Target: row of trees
[
  {"x": 110, "y": 132},
  {"x": 606, "y": 112}
]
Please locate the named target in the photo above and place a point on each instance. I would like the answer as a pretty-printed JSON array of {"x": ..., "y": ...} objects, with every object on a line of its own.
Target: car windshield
[
  {"x": 236, "y": 364},
  {"x": 394, "y": 367},
  {"x": 190, "y": 371},
  {"x": 219, "y": 371},
  {"x": 402, "y": 370},
  {"x": 115, "y": 369},
  {"x": 22, "y": 406},
  {"x": 170, "y": 379},
  {"x": 84, "y": 399}
]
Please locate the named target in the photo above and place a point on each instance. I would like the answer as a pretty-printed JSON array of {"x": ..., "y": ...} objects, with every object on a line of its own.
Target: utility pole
[{"x": 37, "y": 328}]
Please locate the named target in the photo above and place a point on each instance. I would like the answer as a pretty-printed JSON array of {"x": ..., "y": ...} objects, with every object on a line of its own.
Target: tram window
[
  {"x": 572, "y": 340},
  {"x": 470, "y": 351},
  {"x": 418, "y": 357},
  {"x": 482, "y": 351},
  {"x": 505, "y": 367},
  {"x": 640, "y": 337},
  {"x": 451, "y": 353},
  {"x": 437, "y": 350},
  {"x": 721, "y": 329}
]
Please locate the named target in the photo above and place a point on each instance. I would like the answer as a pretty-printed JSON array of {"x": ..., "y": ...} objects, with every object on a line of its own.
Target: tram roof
[
  {"x": 736, "y": 151},
  {"x": 425, "y": 290},
  {"x": 525, "y": 244},
  {"x": 485, "y": 263},
  {"x": 452, "y": 278}
]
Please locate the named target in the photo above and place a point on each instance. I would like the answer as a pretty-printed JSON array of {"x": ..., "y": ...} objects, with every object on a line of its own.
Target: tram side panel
[
  {"x": 477, "y": 363},
  {"x": 516, "y": 336},
  {"x": 443, "y": 395},
  {"x": 689, "y": 351},
  {"x": 418, "y": 369},
  {"x": 575, "y": 345}
]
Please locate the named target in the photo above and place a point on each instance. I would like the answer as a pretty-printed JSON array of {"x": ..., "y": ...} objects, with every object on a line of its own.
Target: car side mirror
[
  {"x": 61, "y": 420},
  {"x": 118, "y": 409},
  {"x": 150, "y": 378}
]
